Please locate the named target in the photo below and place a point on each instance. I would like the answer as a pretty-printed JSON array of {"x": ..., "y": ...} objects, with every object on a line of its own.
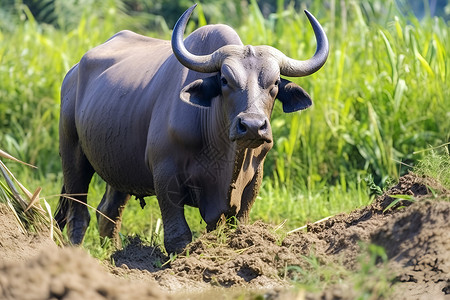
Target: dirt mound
[
  {"x": 33, "y": 267},
  {"x": 16, "y": 245},
  {"x": 417, "y": 242},
  {"x": 246, "y": 256},
  {"x": 258, "y": 259},
  {"x": 68, "y": 274},
  {"x": 416, "y": 239}
]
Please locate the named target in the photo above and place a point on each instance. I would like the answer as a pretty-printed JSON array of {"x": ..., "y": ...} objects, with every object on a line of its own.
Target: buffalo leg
[
  {"x": 112, "y": 205},
  {"x": 176, "y": 230},
  {"x": 62, "y": 210},
  {"x": 170, "y": 195},
  {"x": 77, "y": 175}
]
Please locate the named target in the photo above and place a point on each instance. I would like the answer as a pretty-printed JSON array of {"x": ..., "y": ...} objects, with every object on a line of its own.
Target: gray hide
[{"x": 132, "y": 113}]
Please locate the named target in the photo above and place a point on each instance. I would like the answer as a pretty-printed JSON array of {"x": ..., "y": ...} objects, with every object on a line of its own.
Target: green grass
[
  {"x": 437, "y": 166},
  {"x": 381, "y": 98}
]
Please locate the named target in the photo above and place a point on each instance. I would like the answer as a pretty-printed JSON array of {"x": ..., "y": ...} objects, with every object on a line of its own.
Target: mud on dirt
[{"x": 255, "y": 260}]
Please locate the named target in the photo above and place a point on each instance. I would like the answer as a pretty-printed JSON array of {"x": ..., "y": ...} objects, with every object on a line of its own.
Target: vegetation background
[{"x": 380, "y": 102}]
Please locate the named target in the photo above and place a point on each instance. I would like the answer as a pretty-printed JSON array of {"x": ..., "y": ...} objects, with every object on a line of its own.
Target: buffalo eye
[
  {"x": 224, "y": 81},
  {"x": 274, "y": 89}
]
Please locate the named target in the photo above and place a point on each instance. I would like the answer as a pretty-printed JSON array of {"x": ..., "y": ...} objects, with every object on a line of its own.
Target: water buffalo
[{"x": 187, "y": 121}]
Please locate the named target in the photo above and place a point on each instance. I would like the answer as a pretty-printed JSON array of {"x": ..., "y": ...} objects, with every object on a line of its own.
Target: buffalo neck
[{"x": 238, "y": 165}]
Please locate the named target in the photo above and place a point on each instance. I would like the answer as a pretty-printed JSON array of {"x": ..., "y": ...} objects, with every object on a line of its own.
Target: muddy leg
[
  {"x": 176, "y": 230},
  {"x": 112, "y": 205},
  {"x": 77, "y": 174}
]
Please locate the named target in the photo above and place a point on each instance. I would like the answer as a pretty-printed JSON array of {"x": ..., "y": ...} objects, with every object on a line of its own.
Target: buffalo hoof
[
  {"x": 75, "y": 237},
  {"x": 76, "y": 231},
  {"x": 108, "y": 229},
  {"x": 177, "y": 244}
]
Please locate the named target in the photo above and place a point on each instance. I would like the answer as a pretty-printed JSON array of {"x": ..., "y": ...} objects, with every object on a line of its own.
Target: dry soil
[{"x": 255, "y": 260}]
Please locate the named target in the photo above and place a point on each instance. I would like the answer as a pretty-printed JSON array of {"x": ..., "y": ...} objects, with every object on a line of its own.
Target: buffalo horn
[
  {"x": 199, "y": 63},
  {"x": 298, "y": 68}
]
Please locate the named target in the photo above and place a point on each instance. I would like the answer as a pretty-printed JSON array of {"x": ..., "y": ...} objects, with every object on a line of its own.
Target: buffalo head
[{"x": 248, "y": 81}]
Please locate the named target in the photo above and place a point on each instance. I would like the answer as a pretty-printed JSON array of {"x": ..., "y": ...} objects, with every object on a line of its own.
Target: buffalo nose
[{"x": 253, "y": 129}]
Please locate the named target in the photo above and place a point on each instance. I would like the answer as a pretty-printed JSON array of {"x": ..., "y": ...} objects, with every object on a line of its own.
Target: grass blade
[{"x": 8, "y": 156}]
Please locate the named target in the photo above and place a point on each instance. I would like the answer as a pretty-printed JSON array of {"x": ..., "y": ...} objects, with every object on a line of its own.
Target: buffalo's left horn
[
  {"x": 298, "y": 68},
  {"x": 200, "y": 63}
]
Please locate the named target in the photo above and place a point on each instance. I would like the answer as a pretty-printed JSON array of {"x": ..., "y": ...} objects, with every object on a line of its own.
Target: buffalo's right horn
[
  {"x": 298, "y": 68},
  {"x": 200, "y": 63}
]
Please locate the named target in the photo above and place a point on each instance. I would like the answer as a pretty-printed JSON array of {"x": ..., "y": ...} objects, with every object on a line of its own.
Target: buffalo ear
[
  {"x": 292, "y": 96},
  {"x": 201, "y": 91}
]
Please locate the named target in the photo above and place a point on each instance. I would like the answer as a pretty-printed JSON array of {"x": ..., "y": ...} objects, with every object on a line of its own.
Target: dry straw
[{"x": 26, "y": 206}]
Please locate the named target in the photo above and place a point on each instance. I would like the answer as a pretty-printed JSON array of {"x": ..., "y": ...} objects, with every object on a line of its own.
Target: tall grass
[
  {"x": 33, "y": 61},
  {"x": 382, "y": 96}
]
